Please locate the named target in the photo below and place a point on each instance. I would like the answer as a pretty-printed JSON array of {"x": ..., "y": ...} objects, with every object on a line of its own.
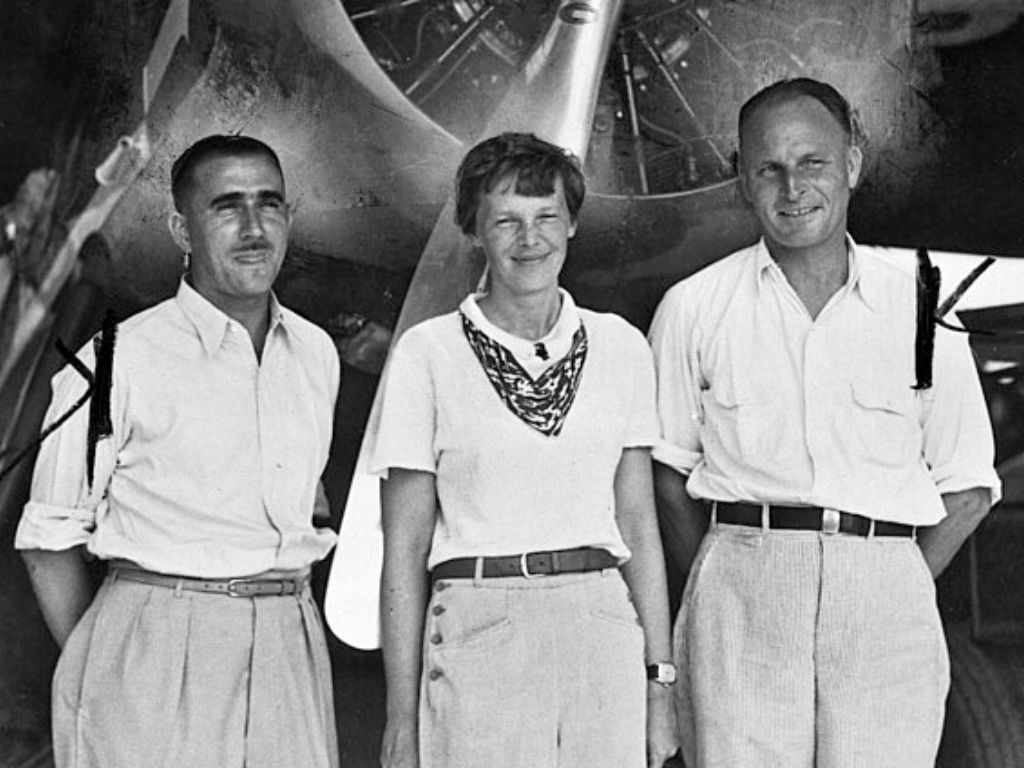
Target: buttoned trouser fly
[
  {"x": 800, "y": 649},
  {"x": 154, "y": 677},
  {"x": 539, "y": 672}
]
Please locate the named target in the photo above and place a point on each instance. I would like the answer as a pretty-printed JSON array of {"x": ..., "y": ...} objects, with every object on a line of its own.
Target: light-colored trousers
[
  {"x": 153, "y": 677},
  {"x": 545, "y": 672},
  {"x": 800, "y": 649}
]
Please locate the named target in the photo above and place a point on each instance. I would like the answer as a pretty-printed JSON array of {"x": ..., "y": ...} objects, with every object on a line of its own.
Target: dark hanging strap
[
  {"x": 100, "y": 425},
  {"x": 928, "y": 283},
  {"x": 947, "y": 306},
  {"x": 99, "y": 409},
  {"x": 966, "y": 283},
  {"x": 86, "y": 374}
]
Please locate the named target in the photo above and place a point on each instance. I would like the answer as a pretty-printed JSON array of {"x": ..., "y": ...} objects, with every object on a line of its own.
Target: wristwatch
[{"x": 662, "y": 673}]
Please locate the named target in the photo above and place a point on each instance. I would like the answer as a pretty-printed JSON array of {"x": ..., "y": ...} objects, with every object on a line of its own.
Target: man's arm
[
  {"x": 964, "y": 511},
  {"x": 644, "y": 573},
  {"x": 60, "y": 514},
  {"x": 673, "y": 343},
  {"x": 409, "y": 503},
  {"x": 682, "y": 519},
  {"x": 62, "y": 586},
  {"x": 959, "y": 449}
]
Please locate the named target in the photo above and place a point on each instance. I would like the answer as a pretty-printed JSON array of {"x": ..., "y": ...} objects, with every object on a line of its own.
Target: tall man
[
  {"x": 808, "y": 633},
  {"x": 203, "y": 646}
]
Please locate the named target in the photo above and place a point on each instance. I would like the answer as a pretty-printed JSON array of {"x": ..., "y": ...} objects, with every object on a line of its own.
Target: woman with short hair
[{"x": 523, "y": 591}]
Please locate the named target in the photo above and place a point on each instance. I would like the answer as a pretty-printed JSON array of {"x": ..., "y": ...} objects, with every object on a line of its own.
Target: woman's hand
[
  {"x": 400, "y": 746},
  {"x": 662, "y": 731},
  {"x": 644, "y": 573}
]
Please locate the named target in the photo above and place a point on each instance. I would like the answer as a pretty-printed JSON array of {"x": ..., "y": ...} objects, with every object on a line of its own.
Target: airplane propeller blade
[{"x": 554, "y": 97}]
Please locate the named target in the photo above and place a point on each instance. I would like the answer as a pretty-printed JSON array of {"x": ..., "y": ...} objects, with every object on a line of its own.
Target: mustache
[{"x": 254, "y": 245}]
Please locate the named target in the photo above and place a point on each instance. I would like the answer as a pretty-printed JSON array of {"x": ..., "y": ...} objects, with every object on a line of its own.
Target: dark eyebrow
[
  {"x": 234, "y": 197},
  {"x": 230, "y": 197},
  {"x": 271, "y": 195},
  {"x": 821, "y": 157}
]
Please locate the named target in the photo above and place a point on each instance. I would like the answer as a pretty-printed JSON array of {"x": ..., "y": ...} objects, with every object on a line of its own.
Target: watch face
[{"x": 662, "y": 673}]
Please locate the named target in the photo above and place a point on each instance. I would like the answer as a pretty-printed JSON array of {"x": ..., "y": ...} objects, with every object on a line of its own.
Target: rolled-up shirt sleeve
[
  {"x": 62, "y": 508},
  {"x": 958, "y": 443},
  {"x": 678, "y": 387},
  {"x": 407, "y": 429}
]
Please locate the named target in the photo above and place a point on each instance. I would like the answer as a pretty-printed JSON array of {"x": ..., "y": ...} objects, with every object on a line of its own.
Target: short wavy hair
[
  {"x": 531, "y": 161},
  {"x": 216, "y": 145},
  {"x": 794, "y": 88}
]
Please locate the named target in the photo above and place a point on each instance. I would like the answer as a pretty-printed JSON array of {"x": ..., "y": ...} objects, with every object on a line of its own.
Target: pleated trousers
[{"x": 155, "y": 677}]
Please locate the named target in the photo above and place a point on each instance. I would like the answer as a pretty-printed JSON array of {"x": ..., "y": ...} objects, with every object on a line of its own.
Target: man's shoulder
[
  {"x": 305, "y": 330},
  {"x": 897, "y": 263},
  {"x": 724, "y": 272},
  {"x": 727, "y": 267},
  {"x": 139, "y": 341},
  {"x": 889, "y": 274},
  {"x": 147, "y": 325}
]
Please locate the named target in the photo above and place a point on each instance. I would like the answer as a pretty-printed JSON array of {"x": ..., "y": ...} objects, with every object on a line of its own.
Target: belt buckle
[
  {"x": 524, "y": 568},
  {"x": 830, "y": 521},
  {"x": 234, "y": 586}
]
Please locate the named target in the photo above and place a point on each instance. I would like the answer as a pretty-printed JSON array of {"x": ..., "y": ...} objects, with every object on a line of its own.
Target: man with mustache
[
  {"x": 203, "y": 646},
  {"x": 824, "y": 489}
]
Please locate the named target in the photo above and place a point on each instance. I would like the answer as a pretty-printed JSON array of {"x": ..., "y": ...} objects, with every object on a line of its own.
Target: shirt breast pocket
[
  {"x": 745, "y": 418},
  {"x": 883, "y": 418}
]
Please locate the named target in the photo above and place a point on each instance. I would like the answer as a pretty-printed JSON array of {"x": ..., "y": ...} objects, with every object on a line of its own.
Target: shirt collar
[
  {"x": 210, "y": 322},
  {"x": 860, "y": 279},
  {"x": 865, "y": 279},
  {"x": 763, "y": 261},
  {"x": 560, "y": 335}
]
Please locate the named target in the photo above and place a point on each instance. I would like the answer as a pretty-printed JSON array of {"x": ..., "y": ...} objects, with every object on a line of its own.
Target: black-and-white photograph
[{"x": 548, "y": 383}]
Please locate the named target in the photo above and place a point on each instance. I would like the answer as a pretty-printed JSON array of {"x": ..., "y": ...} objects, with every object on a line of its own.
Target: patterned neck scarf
[{"x": 541, "y": 403}]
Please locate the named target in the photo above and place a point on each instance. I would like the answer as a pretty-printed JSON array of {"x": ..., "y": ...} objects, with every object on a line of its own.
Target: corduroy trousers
[{"x": 800, "y": 649}]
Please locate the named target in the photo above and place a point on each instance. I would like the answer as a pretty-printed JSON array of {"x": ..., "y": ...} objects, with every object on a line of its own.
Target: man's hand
[
  {"x": 400, "y": 746},
  {"x": 662, "y": 730}
]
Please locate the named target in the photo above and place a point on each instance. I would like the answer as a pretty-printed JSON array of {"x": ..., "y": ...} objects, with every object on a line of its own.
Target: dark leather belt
[
  {"x": 528, "y": 564},
  {"x": 786, "y": 518},
  {"x": 229, "y": 587}
]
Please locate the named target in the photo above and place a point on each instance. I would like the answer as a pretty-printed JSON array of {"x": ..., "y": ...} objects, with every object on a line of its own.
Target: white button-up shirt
[
  {"x": 761, "y": 403},
  {"x": 215, "y": 457}
]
